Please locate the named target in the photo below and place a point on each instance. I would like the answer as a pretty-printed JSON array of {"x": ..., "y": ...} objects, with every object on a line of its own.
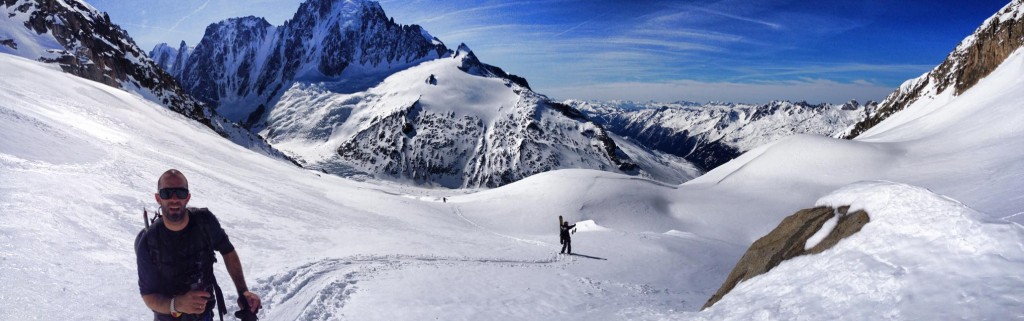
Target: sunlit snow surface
[
  {"x": 79, "y": 160},
  {"x": 922, "y": 257}
]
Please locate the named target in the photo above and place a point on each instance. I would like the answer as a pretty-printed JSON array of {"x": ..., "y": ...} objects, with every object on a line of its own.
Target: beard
[{"x": 174, "y": 216}]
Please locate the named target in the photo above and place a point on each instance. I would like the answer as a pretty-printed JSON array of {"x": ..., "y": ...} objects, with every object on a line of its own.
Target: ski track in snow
[
  {"x": 319, "y": 290},
  {"x": 458, "y": 212}
]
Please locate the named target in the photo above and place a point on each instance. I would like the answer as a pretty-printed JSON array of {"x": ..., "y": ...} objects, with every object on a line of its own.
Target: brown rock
[{"x": 787, "y": 241}]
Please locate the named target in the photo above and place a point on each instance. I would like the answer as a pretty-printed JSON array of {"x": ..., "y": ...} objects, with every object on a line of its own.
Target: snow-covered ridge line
[
  {"x": 452, "y": 122},
  {"x": 242, "y": 66},
  {"x": 345, "y": 89},
  {"x": 84, "y": 42},
  {"x": 714, "y": 133},
  {"x": 974, "y": 58}
]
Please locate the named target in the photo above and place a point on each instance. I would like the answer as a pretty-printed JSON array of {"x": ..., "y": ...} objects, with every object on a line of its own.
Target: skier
[
  {"x": 175, "y": 259},
  {"x": 565, "y": 238}
]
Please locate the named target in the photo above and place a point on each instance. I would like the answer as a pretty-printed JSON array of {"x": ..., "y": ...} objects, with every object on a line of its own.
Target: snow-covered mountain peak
[
  {"x": 344, "y": 10},
  {"x": 169, "y": 58},
  {"x": 442, "y": 86},
  {"x": 462, "y": 51},
  {"x": 439, "y": 123},
  {"x": 239, "y": 22},
  {"x": 243, "y": 65},
  {"x": 973, "y": 59},
  {"x": 347, "y": 90},
  {"x": 1010, "y": 13}
]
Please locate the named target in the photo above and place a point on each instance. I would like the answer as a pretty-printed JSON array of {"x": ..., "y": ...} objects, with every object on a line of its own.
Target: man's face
[{"x": 173, "y": 207}]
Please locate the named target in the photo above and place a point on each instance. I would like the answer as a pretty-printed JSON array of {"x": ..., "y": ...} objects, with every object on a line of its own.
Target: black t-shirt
[{"x": 181, "y": 259}]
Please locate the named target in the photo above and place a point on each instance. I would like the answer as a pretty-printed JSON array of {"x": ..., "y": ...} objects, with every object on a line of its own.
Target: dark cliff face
[
  {"x": 170, "y": 59},
  {"x": 96, "y": 49},
  {"x": 243, "y": 63},
  {"x": 972, "y": 60},
  {"x": 230, "y": 42}
]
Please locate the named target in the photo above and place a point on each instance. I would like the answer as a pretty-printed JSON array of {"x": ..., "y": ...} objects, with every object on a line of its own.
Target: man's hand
[
  {"x": 193, "y": 302},
  {"x": 250, "y": 300}
]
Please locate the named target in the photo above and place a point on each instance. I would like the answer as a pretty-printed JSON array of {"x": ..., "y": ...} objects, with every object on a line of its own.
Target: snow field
[
  {"x": 78, "y": 164},
  {"x": 922, "y": 256}
]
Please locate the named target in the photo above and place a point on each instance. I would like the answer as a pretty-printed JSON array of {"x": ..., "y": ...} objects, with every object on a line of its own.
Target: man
[
  {"x": 175, "y": 258},
  {"x": 565, "y": 238}
]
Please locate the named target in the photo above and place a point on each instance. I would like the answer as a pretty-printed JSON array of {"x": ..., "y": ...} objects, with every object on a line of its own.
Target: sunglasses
[{"x": 180, "y": 192}]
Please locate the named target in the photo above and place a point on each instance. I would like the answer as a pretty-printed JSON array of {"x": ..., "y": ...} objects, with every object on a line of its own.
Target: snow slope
[
  {"x": 969, "y": 148},
  {"x": 923, "y": 256},
  {"x": 83, "y": 41},
  {"x": 78, "y": 163},
  {"x": 344, "y": 89},
  {"x": 452, "y": 122},
  {"x": 926, "y": 256}
]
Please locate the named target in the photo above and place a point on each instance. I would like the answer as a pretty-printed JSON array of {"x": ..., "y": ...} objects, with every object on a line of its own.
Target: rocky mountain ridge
[
  {"x": 714, "y": 133},
  {"x": 973, "y": 59},
  {"x": 242, "y": 65},
  {"x": 84, "y": 42},
  {"x": 453, "y": 122},
  {"x": 343, "y": 88}
]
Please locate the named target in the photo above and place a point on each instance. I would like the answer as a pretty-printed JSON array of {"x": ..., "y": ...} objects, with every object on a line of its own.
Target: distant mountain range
[
  {"x": 342, "y": 88},
  {"x": 714, "y": 133}
]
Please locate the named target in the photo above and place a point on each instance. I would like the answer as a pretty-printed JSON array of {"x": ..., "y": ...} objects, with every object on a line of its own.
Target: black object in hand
[{"x": 245, "y": 314}]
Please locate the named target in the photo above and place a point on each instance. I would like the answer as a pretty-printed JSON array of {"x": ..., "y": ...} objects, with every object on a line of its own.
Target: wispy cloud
[
  {"x": 811, "y": 90},
  {"x": 667, "y": 44},
  {"x": 690, "y": 33},
  {"x": 740, "y": 18},
  {"x": 577, "y": 26},
  {"x": 798, "y": 69},
  {"x": 194, "y": 12},
  {"x": 457, "y": 13},
  {"x": 484, "y": 32}
]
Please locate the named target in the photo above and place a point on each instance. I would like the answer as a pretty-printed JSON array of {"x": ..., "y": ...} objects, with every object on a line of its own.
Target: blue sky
[{"x": 740, "y": 51}]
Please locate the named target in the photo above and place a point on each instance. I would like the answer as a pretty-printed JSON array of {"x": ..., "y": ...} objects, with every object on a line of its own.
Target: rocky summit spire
[{"x": 244, "y": 63}]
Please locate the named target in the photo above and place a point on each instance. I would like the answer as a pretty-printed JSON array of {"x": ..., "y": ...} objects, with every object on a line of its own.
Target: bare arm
[
  {"x": 158, "y": 302},
  {"x": 193, "y": 302},
  {"x": 235, "y": 270}
]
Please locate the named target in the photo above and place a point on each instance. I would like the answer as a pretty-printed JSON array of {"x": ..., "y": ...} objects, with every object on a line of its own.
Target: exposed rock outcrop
[
  {"x": 242, "y": 63},
  {"x": 84, "y": 42},
  {"x": 973, "y": 59},
  {"x": 789, "y": 240}
]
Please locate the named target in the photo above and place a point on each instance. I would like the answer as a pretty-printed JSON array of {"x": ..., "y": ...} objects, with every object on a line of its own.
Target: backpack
[{"x": 199, "y": 217}]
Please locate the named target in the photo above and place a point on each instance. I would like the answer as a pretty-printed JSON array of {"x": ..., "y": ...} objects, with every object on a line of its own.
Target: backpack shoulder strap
[
  {"x": 148, "y": 237},
  {"x": 202, "y": 218}
]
